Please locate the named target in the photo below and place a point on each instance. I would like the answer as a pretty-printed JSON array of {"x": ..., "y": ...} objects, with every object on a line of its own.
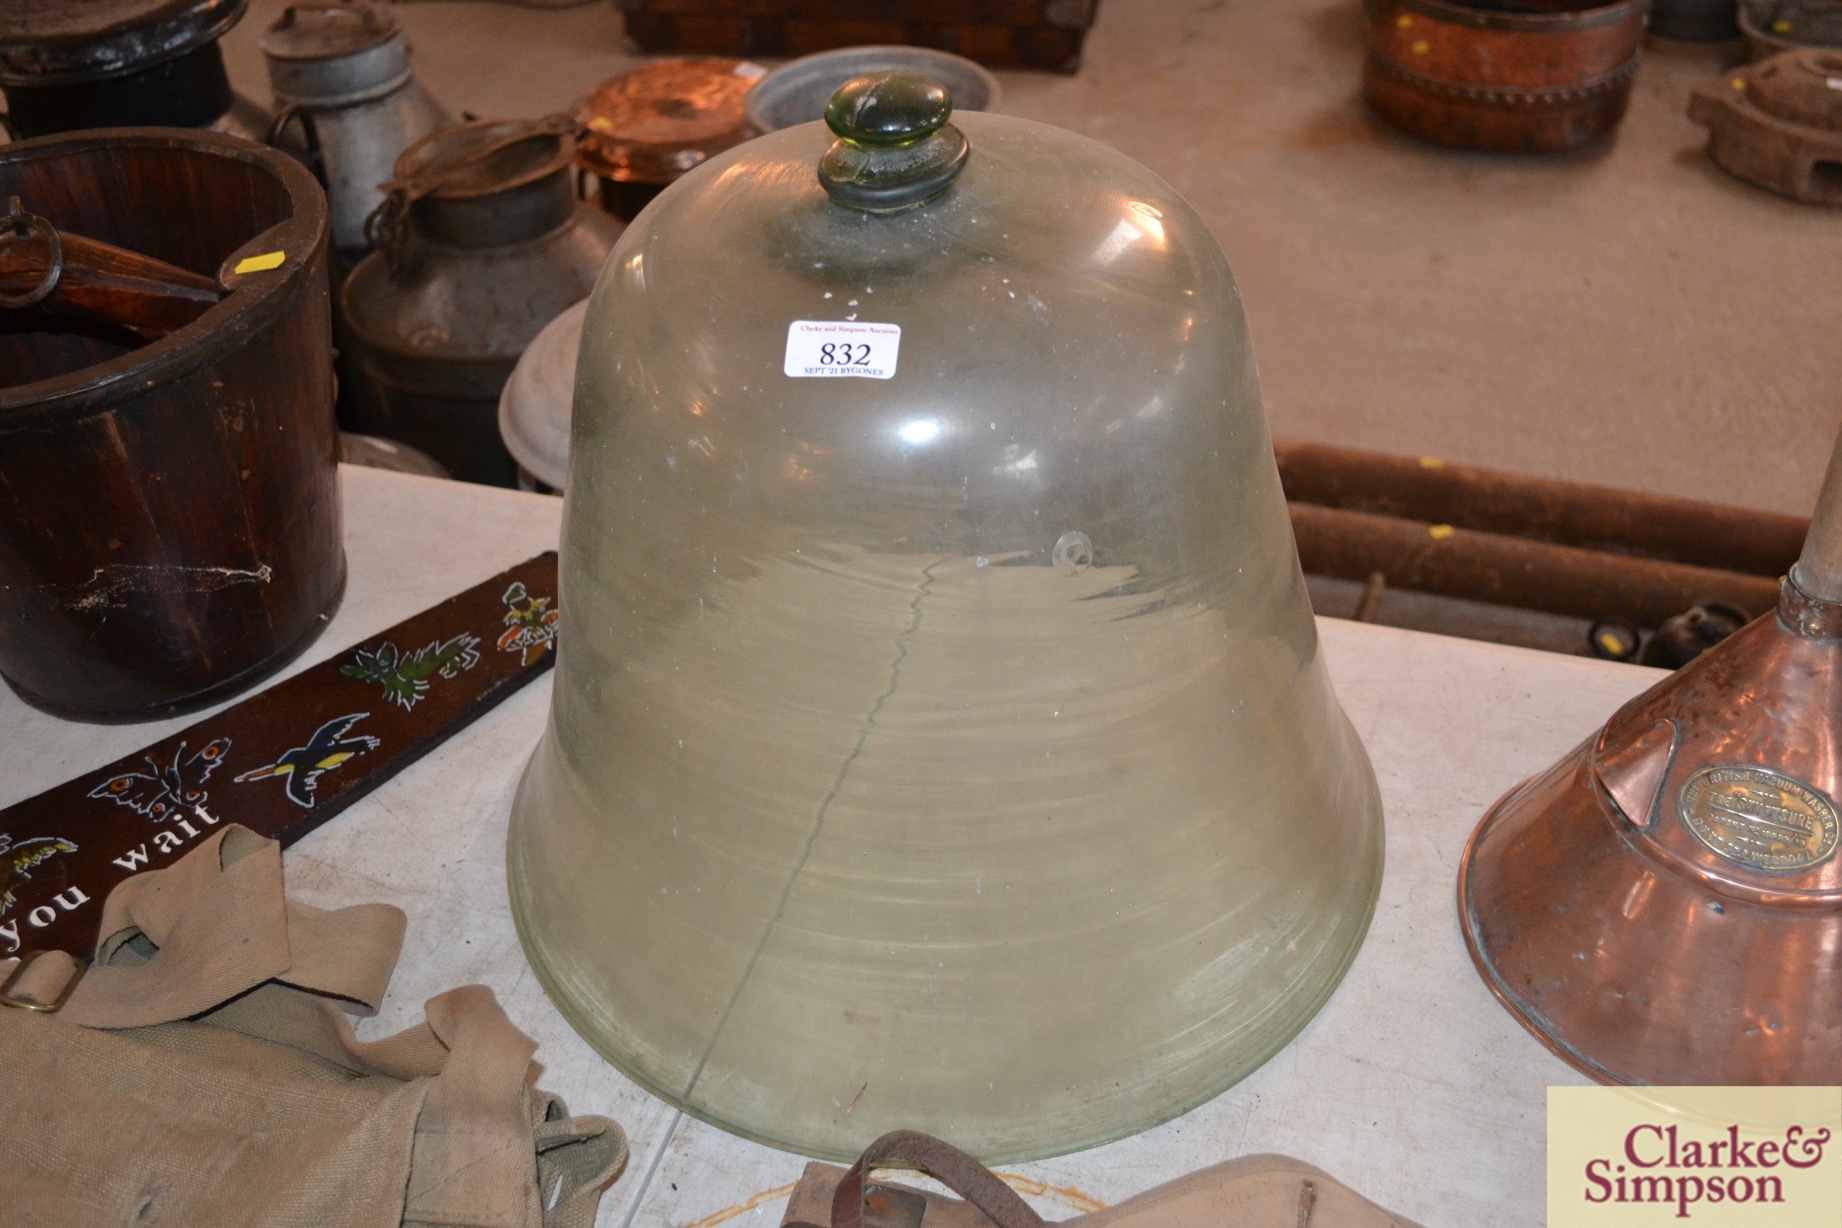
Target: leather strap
[{"x": 945, "y": 1163}]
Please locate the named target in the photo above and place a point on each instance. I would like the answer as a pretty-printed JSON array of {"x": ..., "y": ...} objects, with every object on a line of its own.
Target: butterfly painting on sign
[{"x": 159, "y": 791}]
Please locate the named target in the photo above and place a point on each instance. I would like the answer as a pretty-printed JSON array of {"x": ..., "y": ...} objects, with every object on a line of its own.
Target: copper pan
[{"x": 1665, "y": 904}]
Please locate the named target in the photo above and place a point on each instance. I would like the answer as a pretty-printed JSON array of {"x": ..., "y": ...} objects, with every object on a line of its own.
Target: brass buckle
[{"x": 26, "y": 960}]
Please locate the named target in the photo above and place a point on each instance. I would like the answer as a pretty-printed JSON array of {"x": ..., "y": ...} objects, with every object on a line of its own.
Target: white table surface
[{"x": 1412, "y": 1085}]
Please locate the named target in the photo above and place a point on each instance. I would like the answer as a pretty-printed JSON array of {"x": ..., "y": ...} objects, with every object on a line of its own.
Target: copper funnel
[{"x": 1664, "y": 905}]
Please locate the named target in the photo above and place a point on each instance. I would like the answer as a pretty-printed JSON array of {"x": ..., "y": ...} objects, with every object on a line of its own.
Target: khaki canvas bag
[{"x": 204, "y": 1072}]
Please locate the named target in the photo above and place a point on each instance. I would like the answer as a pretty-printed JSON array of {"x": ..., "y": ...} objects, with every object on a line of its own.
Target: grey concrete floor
[{"x": 1627, "y": 314}]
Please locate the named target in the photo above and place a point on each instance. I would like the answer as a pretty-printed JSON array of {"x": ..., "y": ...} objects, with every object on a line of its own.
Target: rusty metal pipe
[
  {"x": 1597, "y": 518},
  {"x": 1515, "y": 571}
]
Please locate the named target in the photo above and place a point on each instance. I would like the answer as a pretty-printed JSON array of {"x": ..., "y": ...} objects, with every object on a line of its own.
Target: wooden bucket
[
  {"x": 169, "y": 511},
  {"x": 1528, "y": 76}
]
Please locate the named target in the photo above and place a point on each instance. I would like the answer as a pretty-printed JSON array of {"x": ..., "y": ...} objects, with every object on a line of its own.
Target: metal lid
[
  {"x": 60, "y": 42},
  {"x": 534, "y": 408},
  {"x": 1804, "y": 87},
  {"x": 485, "y": 156},
  {"x": 484, "y": 183},
  {"x": 655, "y": 123},
  {"x": 322, "y": 29},
  {"x": 334, "y": 52}
]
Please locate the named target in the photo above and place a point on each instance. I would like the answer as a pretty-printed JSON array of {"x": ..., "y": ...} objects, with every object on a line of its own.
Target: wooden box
[{"x": 997, "y": 33}]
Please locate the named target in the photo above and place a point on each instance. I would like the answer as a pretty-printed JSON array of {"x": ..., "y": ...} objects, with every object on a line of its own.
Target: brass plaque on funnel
[{"x": 1759, "y": 818}]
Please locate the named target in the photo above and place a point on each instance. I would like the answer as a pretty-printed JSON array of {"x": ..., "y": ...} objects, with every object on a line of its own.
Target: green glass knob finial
[
  {"x": 895, "y": 147},
  {"x": 889, "y": 109}
]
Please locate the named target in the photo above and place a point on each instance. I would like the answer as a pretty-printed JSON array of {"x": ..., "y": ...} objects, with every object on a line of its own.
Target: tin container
[
  {"x": 342, "y": 81},
  {"x": 1774, "y": 26},
  {"x": 169, "y": 512},
  {"x": 481, "y": 243}
]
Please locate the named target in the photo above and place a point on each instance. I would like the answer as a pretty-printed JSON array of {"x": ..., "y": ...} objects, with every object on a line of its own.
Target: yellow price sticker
[{"x": 260, "y": 264}]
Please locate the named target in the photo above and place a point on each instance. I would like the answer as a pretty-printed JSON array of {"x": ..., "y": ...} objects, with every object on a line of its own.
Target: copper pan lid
[
  {"x": 1664, "y": 905},
  {"x": 655, "y": 123}
]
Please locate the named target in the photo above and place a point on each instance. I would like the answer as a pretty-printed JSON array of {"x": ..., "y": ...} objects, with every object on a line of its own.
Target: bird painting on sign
[
  {"x": 160, "y": 791},
  {"x": 326, "y": 751},
  {"x": 17, "y": 860}
]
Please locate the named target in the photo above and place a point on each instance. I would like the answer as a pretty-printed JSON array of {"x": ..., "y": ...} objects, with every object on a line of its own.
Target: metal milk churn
[
  {"x": 117, "y": 63},
  {"x": 341, "y": 72},
  {"x": 480, "y": 243}
]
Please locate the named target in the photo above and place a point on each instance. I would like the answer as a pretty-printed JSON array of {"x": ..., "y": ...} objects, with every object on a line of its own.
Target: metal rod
[
  {"x": 1370, "y": 601},
  {"x": 1567, "y": 513},
  {"x": 1514, "y": 571},
  {"x": 1819, "y": 568}
]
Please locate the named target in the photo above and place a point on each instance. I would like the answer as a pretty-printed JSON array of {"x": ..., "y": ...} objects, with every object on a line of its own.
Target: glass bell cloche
[{"x": 940, "y": 737}]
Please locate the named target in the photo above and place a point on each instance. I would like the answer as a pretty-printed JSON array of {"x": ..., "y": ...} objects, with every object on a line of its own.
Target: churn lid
[
  {"x": 940, "y": 736},
  {"x": 482, "y": 183},
  {"x": 655, "y": 123},
  {"x": 53, "y": 42},
  {"x": 335, "y": 51}
]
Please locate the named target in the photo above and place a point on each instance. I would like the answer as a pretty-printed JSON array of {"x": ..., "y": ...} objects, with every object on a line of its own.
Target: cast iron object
[
  {"x": 1486, "y": 76},
  {"x": 1596, "y": 518},
  {"x": 1772, "y": 26},
  {"x": 1778, "y": 124},
  {"x": 481, "y": 243},
  {"x": 1000, "y": 33},
  {"x": 73, "y": 64},
  {"x": 169, "y": 512},
  {"x": 1664, "y": 905},
  {"x": 1694, "y": 21},
  {"x": 641, "y": 130},
  {"x": 1694, "y": 631},
  {"x": 340, "y": 72}
]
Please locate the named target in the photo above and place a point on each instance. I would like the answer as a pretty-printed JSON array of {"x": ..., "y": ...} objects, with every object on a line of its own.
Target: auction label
[
  {"x": 835, "y": 349},
  {"x": 1720, "y": 1157}
]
